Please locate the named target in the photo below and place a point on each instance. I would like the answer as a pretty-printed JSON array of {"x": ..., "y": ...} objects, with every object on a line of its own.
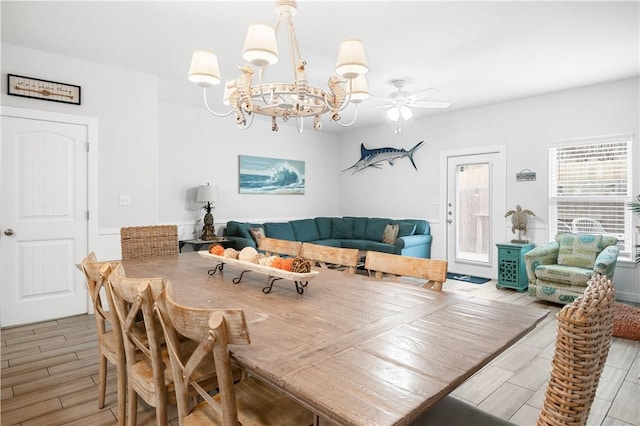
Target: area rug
[
  {"x": 627, "y": 322},
  {"x": 467, "y": 278}
]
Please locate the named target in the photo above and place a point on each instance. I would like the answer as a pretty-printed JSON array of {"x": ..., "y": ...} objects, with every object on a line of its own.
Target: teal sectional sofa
[{"x": 364, "y": 233}]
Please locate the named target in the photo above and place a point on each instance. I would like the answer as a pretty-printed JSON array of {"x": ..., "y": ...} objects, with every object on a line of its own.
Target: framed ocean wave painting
[{"x": 262, "y": 175}]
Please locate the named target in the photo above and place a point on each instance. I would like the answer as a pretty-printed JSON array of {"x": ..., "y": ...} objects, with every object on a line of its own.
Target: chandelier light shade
[
  {"x": 204, "y": 69},
  {"x": 260, "y": 45},
  {"x": 359, "y": 89},
  {"x": 352, "y": 59},
  {"x": 248, "y": 95}
]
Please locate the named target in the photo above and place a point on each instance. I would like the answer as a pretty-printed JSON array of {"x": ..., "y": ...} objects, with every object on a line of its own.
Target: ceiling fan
[{"x": 401, "y": 102}]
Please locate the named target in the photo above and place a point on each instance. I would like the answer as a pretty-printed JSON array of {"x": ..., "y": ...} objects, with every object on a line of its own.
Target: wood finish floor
[{"x": 49, "y": 373}]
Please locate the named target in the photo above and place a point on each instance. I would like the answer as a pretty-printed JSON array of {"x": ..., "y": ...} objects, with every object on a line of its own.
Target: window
[{"x": 589, "y": 187}]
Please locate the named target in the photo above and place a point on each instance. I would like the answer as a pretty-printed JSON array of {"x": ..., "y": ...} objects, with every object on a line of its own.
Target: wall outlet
[{"x": 125, "y": 200}]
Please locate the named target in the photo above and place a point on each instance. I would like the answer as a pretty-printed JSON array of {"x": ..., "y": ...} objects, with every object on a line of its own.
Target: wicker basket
[{"x": 147, "y": 241}]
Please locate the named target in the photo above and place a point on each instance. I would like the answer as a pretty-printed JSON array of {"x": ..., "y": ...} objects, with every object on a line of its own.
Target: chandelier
[{"x": 297, "y": 99}]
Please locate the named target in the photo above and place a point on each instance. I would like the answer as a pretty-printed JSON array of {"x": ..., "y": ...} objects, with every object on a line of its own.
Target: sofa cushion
[
  {"x": 280, "y": 230},
  {"x": 390, "y": 233},
  {"x": 406, "y": 229},
  {"x": 422, "y": 226},
  {"x": 356, "y": 244},
  {"x": 578, "y": 249},
  {"x": 323, "y": 225},
  {"x": 341, "y": 228},
  {"x": 375, "y": 228},
  {"x": 241, "y": 229},
  {"x": 305, "y": 230},
  {"x": 563, "y": 274},
  {"x": 328, "y": 242},
  {"x": 381, "y": 247},
  {"x": 359, "y": 226}
]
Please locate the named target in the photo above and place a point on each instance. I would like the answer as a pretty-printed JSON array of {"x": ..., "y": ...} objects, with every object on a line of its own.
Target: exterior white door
[
  {"x": 44, "y": 220},
  {"x": 475, "y": 198}
]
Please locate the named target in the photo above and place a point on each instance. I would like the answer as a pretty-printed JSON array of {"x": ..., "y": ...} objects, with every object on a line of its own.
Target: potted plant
[{"x": 634, "y": 206}]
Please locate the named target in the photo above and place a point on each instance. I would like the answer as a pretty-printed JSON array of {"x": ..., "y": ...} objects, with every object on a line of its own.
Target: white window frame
[{"x": 626, "y": 243}]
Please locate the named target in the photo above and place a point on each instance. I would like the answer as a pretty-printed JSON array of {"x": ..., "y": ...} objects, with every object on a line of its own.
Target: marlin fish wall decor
[{"x": 373, "y": 157}]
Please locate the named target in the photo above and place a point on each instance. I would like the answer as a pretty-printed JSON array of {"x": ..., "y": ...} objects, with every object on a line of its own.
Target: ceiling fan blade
[
  {"x": 429, "y": 91},
  {"x": 429, "y": 104}
]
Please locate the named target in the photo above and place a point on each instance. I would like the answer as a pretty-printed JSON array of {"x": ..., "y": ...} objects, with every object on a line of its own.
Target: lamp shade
[
  {"x": 207, "y": 194},
  {"x": 359, "y": 89},
  {"x": 204, "y": 69},
  {"x": 260, "y": 45},
  {"x": 352, "y": 59}
]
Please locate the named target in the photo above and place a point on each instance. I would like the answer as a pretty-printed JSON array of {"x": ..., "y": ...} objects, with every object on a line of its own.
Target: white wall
[
  {"x": 125, "y": 104},
  {"x": 525, "y": 126},
  {"x": 196, "y": 148}
]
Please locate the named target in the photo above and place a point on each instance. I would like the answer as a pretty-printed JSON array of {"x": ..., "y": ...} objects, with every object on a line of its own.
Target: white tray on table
[{"x": 300, "y": 279}]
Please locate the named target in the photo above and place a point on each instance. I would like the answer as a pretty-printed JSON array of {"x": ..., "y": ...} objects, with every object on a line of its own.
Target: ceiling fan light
[
  {"x": 405, "y": 112},
  {"x": 359, "y": 89},
  {"x": 352, "y": 59},
  {"x": 260, "y": 45},
  {"x": 393, "y": 114},
  {"x": 204, "y": 69}
]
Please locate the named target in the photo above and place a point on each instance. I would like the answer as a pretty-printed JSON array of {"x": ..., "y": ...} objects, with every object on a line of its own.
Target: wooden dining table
[{"x": 353, "y": 349}]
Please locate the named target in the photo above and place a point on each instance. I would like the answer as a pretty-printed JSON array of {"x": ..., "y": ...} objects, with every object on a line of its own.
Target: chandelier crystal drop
[{"x": 248, "y": 95}]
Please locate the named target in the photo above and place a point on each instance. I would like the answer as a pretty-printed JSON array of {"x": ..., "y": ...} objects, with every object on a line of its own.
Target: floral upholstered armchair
[{"x": 559, "y": 271}]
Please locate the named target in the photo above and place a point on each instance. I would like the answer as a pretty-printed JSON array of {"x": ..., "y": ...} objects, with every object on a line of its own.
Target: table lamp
[{"x": 207, "y": 194}]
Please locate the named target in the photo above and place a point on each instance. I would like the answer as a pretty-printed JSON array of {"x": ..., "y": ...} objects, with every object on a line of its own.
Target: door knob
[{"x": 8, "y": 232}]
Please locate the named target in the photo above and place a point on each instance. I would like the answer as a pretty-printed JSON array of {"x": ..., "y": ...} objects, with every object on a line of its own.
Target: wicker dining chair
[
  {"x": 248, "y": 401},
  {"x": 325, "y": 255},
  {"x": 583, "y": 340},
  {"x": 110, "y": 344},
  {"x": 147, "y": 241},
  {"x": 434, "y": 271}
]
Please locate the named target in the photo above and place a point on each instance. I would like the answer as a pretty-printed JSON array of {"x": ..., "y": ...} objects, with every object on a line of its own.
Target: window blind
[{"x": 590, "y": 184}]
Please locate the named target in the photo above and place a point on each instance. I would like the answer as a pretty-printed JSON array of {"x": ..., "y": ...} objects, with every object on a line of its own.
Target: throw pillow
[
  {"x": 256, "y": 234},
  {"x": 390, "y": 234},
  {"x": 578, "y": 249},
  {"x": 406, "y": 229}
]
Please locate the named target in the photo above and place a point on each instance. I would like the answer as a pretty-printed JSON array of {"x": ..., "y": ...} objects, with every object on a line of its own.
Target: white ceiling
[{"x": 475, "y": 52}]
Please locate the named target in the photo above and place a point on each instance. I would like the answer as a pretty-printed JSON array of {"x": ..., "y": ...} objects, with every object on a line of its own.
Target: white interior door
[
  {"x": 475, "y": 196},
  {"x": 44, "y": 220}
]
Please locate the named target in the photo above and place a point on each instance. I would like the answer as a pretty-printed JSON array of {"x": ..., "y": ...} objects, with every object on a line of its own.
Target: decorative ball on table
[
  {"x": 216, "y": 249},
  {"x": 267, "y": 260},
  {"x": 231, "y": 253},
  {"x": 301, "y": 265},
  {"x": 257, "y": 258},
  {"x": 277, "y": 263},
  {"x": 247, "y": 254},
  {"x": 286, "y": 264}
]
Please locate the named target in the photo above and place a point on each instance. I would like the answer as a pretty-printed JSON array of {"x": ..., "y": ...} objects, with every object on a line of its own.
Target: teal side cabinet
[{"x": 512, "y": 270}]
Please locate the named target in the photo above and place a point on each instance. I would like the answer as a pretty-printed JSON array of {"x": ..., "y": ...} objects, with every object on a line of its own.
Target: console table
[
  {"x": 198, "y": 243},
  {"x": 512, "y": 270}
]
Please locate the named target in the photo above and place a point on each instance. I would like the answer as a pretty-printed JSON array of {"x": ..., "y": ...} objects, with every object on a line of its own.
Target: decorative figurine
[{"x": 519, "y": 221}]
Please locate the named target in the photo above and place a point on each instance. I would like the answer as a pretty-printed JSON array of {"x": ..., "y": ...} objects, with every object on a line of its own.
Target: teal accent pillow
[
  {"x": 323, "y": 225},
  {"x": 359, "y": 226},
  {"x": 422, "y": 226},
  {"x": 406, "y": 229},
  {"x": 341, "y": 228},
  {"x": 241, "y": 229},
  {"x": 280, "y": 231},
  {"x": 375, "y": 229},
  {"x": 305, "y": 230}
]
